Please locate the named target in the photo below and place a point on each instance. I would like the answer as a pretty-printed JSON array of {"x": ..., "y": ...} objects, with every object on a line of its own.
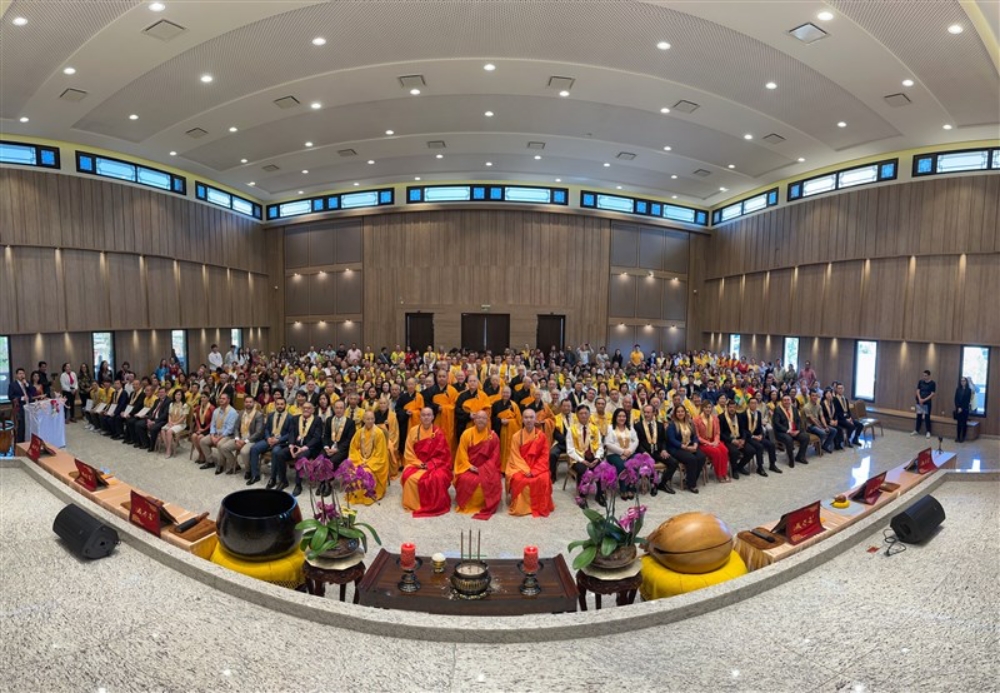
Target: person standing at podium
[{"x": 17, "y": 392}]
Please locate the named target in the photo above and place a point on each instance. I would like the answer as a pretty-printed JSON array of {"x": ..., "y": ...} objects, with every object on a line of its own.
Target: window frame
[
  {"x": 39, "y": 150},
  {"x": 961, "y": 374},
  {"x": 6, "y": 377},
  {"x": 113, "y": 356},
  {"x": 644, "y": 207},
  {"x": 201, "y": 192},
  {"x": 992, "y": 157},
  {"x": 739, "y": 343},
  {"x": 784, "y": 351},
  {"x": 771, "y": 199},
  {"x": 239, "y": 342},
  {"x": 332, "y": 203},
  {"x": 854, "y": 381},
  {"x": 795, "y": 190},
  {"x": 485, "y": 193},
  {"x": 178, "y": 183},
  {"x": 186, "y": 358}
]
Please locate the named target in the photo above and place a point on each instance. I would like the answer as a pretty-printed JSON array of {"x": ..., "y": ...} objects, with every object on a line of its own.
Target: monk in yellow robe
[
  {"x": 528, "y": 473},
  {"x": 428, "y": 472},
  {"x": 506, "y": 419},
  {"x": 468, "y": 403},
  {"x": 385, "y": 419},
  {"x": 478, "y": 481},
  {"x": 442, "y": 397},
  {"x": 369, "y": 449},
  {"x": 414, "y": 402}
]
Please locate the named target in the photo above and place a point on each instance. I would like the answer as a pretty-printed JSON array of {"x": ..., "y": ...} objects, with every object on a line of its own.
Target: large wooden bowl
[{"x": 691, "y": 543}]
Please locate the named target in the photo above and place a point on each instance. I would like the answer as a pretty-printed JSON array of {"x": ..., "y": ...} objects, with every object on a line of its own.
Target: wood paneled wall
[
  {"x": 519, "y": 262},
  {"x": 86, "y": 255}
]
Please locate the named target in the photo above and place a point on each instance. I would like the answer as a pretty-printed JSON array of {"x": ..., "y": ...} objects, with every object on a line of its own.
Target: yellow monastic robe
[
  {"x": 513, "y": 415},
  {"x": 370, "y": 450},
  {"x": 470, "y": 437},
  {"x": 390, "y": 427}
]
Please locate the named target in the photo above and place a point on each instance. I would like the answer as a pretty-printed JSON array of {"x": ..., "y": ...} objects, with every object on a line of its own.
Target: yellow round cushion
[
  {"x": 286, "y": 572},
  {"x": 658, "y": 581}
]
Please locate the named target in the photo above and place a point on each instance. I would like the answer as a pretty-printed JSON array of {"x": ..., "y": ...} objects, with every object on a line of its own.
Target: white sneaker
[
  {"x": 913, "y": 433},
  {"x": 928, "y": 435}
]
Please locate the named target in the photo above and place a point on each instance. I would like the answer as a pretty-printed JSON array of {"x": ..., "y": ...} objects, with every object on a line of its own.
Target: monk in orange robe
[
  {"x": 506, "y": 422},
  {"x": 413, "y": 406},
  {"x": 528, "y": 471},
  {"x": 428, "y": 472},
  {"x": 443, "y": 397},
  {"x": 468, "y": 403},
  {"x": 478, "y": 482}
]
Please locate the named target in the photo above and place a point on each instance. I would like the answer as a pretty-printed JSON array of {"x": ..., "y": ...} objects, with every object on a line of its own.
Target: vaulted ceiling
[{"x": 748, "y": 102}]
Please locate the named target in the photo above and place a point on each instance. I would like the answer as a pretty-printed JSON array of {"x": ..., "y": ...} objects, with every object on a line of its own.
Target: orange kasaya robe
[
  {"x": 390, "y": 426},
  {"x": 425, "y": 491},
  {"x": 529, "y": 494},
  {"x": 474, "y": 404},
  {"x": 414, "y": 407},
  {"x": 513, "y": 415},
  {"x": 445, "y": 419},
  {"x": 546, "y": 421},
  {"x": 478, "y": 492}
]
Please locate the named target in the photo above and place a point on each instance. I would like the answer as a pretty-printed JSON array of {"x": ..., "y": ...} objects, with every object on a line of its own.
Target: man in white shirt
[
  {"x": 70, "y": 386},
  {"x": 354, "y": 355},
  {"x": 215, "y": 358}
]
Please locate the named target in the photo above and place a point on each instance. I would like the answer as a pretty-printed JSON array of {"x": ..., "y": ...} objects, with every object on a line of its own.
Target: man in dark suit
[
  {"x": 402, "y": 414},
  {"x": 338, "y": 434},
  {"x": 155, "y": 421},
  {"x": 127, "y": 421},
  {"x": 733, "y": 435},
  {"x": 277, "y": 431},
  {"x": 115, "y": 422},
  {"x": 842, "y": 410},
  {"x": 653, "y": 441},
  {"x": 17, "y": 393},
  {"x": 788, "y": 428},
  {"x": 756, "y": 437},
  {"x": 305, "y": 440},
  {"x": 223, "y": 388},
  {"x": 564, "y": 419}
]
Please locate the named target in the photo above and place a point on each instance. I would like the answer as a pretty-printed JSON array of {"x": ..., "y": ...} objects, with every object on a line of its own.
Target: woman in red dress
[{"x": 709, "y": 442}]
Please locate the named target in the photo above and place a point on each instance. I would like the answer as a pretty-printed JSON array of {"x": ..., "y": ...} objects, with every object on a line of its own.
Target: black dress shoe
[
  {"x": 253, "y": 480},
  {"x": 271, "y": 483},
  {"x": 655, "y": 490},
  {"x": 247, "y": 475},
  {"x": 803, "y": 461},
  {"x": 761, "y": 472},
  {"x": 218, "y": 470},
  {"x": 297, "y": 490},
  {"x": 207, "y": 465},
  {"x": 774, "y": 468},
  {"x": 281, "y": 486},
  {"x": 670, "y": 490},
  {"x": 692, "y": 489}
]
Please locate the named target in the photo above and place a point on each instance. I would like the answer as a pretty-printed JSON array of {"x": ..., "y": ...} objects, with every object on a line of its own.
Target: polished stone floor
[{"x": 923, "y": 620}]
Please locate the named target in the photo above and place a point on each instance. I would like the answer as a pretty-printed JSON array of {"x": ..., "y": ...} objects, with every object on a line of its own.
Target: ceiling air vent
[
  {"x": 271, "y": 168},
  {"x": 625, "y": 156},
  {"x": 196, "y": 133},
  {"x": 536, "y": 145},
  {"x": 774, "y": 138},
  {"x": 165, "y": 30},
  {"x": 73, "y": 95},
  {"x": 683, "y": 106},
  {"x": 412, "y": 82},
  {"x": 702, "y": 173},
  {"x": 561, "y": 83},
  {"x": 287, "y": 102},
  {"x": 808, "y": 33},
  {"x": 436, "y": 144},
  {"x": 347, "y": 152},
  {"x": 897, "y": 100}
]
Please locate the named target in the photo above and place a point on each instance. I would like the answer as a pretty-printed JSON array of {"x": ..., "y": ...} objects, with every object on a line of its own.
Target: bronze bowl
[{"x": 471, "y": 580}]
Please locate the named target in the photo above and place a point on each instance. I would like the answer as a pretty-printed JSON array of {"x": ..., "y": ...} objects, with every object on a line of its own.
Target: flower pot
[
  {"x": 619, "y": 558},
  {"x": 345, "y": 547},
  {"x": 258, "y": 524}
]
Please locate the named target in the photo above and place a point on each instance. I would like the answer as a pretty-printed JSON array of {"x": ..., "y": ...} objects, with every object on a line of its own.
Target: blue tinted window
[
  {"x": 272, "y": 212},
  {"x": 385, "y": 197},
  {"x": 217, "y": 197},
  {"x": 496, "y": 193},
  {"x": 22, "y": 154},
  {"x": 318, "y": 204},
  {"x": 925, "y": 165},
  {"x": 115, "y": 169},
  {"x": 178, "y": 184},
  {"x": 537, "y": 195},
  {"x": 290, "y": 209},
  {"x": 559, "y": 197},
  {"x": 333, "y": 202},
  {"x": 415, "y": 194},
  {"x": 86, "y": 163},
  {"x": 360, "y": 199},
  {"x": 587, "y": 200},
  {"x": 701, "y": 218},
  {"x": 478, "y": 193},
  {"x": 615, "y": 204},
  {"x": 772, "y": 198},
  {"x": 156, "y": 179},
  {"x": 678, "y": 213},
  {"x": 656, "y": 209},
  {"x": 242, "y": 206},
  {"x": 48, "y": 157},
  {"x": 641, "y": 207},
  {"x": 452, "y": 193},
  {"x": 794, "y": 191},
  {"x": 888, "y": 171}
]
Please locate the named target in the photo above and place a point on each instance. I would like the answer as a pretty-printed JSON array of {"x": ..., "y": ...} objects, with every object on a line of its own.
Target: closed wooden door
[
  {"x": 497, "y": 332},
  {"x": 420, "y": 331},
  {"x": 551, "y": 332},
  {"x": 485, "y": 331}
]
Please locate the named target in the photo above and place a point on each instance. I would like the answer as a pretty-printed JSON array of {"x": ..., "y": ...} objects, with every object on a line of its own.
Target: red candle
[
  {"x": 531, "y": 559},
  {"x": 408, "y": 556}
]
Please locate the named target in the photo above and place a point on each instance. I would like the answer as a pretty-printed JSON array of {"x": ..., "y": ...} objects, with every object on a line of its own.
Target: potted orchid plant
[
  {"x": 611, "y": 541},
  {"x": 334, "y": 530}
]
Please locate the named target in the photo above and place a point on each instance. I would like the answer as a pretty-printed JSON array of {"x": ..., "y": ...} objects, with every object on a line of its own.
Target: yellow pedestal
[
  {"x": 284, "y": 572},
  {"x": 659, "y": 581}
]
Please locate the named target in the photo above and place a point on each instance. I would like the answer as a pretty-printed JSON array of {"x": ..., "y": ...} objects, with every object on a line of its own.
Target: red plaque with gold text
[
  {"x": 869, "y": 492},
  {"x": 149, "y": 513},
  {"x": 89, "y": 478},
  {"x": 924, "y": 463},
  {"x": 799, "y": 525}
]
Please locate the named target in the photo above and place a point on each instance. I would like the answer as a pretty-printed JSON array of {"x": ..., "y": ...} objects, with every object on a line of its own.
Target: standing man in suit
[
  {"x": 733, "y": 435},
  {"x": 842, "y": 410},
  {"x": 653, "y": 441},
  {"x": 757, "y": 439},
  {"x": 150, "y": 429},
  {"x": 788, "y": 428},
  {"x": 17, "y": 392}
]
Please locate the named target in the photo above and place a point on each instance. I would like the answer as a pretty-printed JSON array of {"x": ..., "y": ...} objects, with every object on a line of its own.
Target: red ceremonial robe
[
  {"x": 533, "y": 457},
  {"x": 433, "y": 485},
  {"x": 486, "y": 458}
]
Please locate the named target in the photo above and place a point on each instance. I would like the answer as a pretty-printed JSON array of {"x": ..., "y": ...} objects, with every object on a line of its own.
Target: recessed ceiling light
[
  {"x": 356, "y": 184},
  {"x": 309, "y": 144},
  {"x": 664, "y": 110},
  {"x": 390, "y": 132},
  {"x": 841, "y": 124},
  {"x": 731, "y": 166},
  {"x": 825, "y": 16},
  {"x": 315, "y": 105},
  {"x": 907, "y": 82},
  {"x": 723, "y": 189},
  {"x": 207, "y": 78},
  {"x": 371, "y": 161},
  {"x": 607, "y": 165},
  {"x": 673, "y": 197},
  {"x": 771, "y": 85},
  {"x": 564, "y": 93},
  {"x": 748, "y": 136},
  {"x": 955, "y": 29},
  {"x": 243, "y": 161},
  {"x": 173, "y": 153},
  {"x": 157, "y": 7},
  {"x": 439, "y": 156},
  {"x": 489, "y": 163},
  {"x": 414, "y": 92},
  {"x": 233, "y": 128},
  {"x": 133, "y": 117},
  {"x": 23, "y": 119},
  {"x": 305, "y": 170},
  {"x": 19, "y": 21},
  {"x": 667, "y": 148},
  {"x": 488, "y": 114},
  {"x": 416, "y": 177},
  {"x": 538, "y": 157},
  {"x": 618, "y": 187},
  {"x": 558, "y": 180},
  {"x": 301, "y": 192},
  {"x": 319, "y": 41},
  {"x": 69, "y": 70},
  {"x": 946, "y": 126},
  {"x": 489, "y": 67},
  {"x": 673, "y": 177},
  {"x": 802, "y": 159},
  {"x": 663, "y": 46},
  {"x": 251, "y": 184}
]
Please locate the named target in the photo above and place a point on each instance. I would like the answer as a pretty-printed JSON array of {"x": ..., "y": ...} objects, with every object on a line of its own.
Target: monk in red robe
[
  {"x": 528, "y": 470},
  {"x": 428, "y": 472},
  {"x": 478, "y": 482}
]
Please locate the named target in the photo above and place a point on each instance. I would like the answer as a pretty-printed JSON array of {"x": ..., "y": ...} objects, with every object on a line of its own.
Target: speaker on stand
[
  {"x": 918, "y": 522},
  {"x": 85, "y": 536}
]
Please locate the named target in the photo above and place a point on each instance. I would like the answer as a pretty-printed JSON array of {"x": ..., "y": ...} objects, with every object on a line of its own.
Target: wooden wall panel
[
  {"x": 41, "y": 306},
  {"x": 87, "y": 295}
]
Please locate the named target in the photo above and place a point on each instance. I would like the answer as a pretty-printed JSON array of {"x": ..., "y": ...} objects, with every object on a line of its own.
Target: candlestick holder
[
  {"x": 409, "y": 582},
  {"x": 529, "y": 586}
]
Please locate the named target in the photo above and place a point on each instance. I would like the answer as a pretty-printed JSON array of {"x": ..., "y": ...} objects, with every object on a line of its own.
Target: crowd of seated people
[{"x": 482, "y": 423}]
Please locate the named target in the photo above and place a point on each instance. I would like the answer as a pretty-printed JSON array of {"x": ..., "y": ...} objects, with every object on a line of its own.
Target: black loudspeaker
[
  {"x": 85, "y": 536},
  {"x": 918, "y": 522}
]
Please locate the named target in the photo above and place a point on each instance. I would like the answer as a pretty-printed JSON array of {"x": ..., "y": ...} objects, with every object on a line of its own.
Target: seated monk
[
  {"x": 428, "y": 471},
  {"x": 385, "y": 419},
  {"x": 528, "y": 470},
  {"x": 506, "y": 419},
  {"x": 478, "y": 482},
  {"x": 370, "y": 449}
]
